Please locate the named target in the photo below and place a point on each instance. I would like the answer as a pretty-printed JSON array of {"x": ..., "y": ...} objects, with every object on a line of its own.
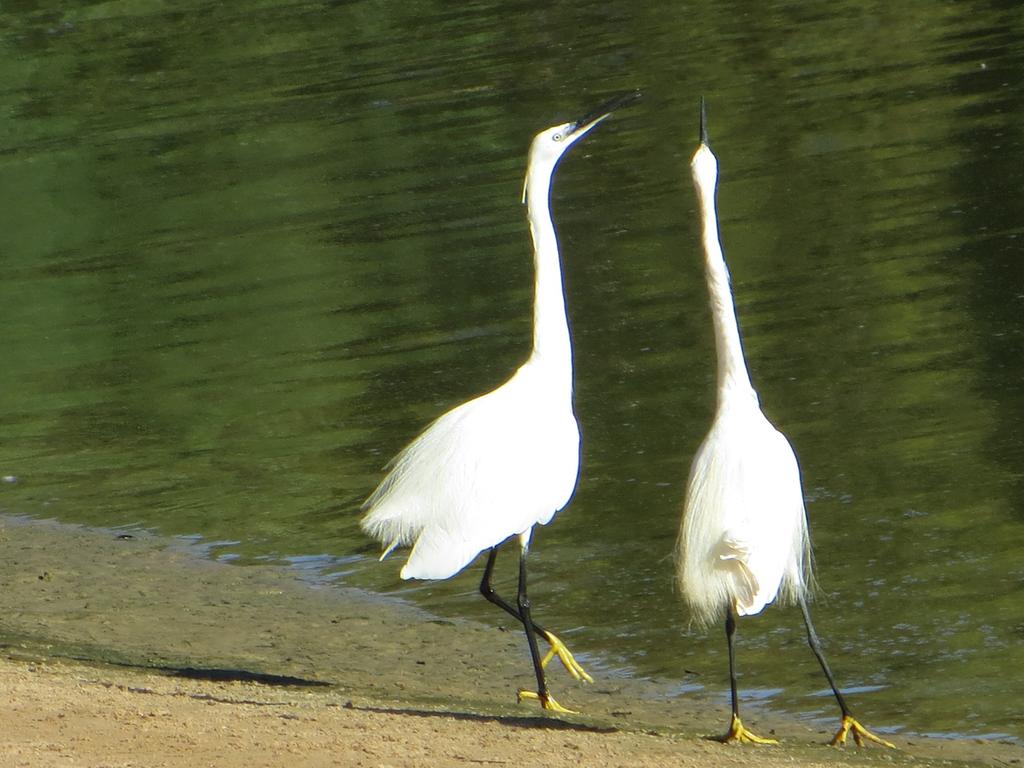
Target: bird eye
[{"x": 557, "y": 137}]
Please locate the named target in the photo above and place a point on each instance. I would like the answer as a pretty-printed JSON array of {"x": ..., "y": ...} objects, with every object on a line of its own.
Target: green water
[{"x": 248, "y": 250}]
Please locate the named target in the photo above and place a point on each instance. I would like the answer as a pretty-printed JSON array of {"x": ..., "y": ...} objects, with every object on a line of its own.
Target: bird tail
[{"x": 800, "y": 582}]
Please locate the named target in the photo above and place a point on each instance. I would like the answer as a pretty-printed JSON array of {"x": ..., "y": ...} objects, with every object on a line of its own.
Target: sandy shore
[
  {"x": 136, "y": 652},
  {"x": 60, "y": 714},
  {"x": 57, "y": 713}
]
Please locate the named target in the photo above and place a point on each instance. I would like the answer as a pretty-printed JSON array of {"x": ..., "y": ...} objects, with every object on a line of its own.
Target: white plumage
[
  {"x": 489, "y": 469},
  {"x": 506, "y": 461},
  {"x": 743, "y": 542},
  {"x": 744, "y": 538}
]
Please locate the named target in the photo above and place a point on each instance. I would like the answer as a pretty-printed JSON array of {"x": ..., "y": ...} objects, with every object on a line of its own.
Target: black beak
[
  {"x": 605, "y": 109},
  {"x": 703, "y": 122}
]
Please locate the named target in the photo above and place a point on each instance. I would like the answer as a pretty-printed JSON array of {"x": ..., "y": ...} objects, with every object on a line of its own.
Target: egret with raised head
[
  {"x": 743, "y": 543},
  {"x": 500, "y": 464}
]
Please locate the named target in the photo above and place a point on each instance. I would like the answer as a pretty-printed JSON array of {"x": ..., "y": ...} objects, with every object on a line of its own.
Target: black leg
[
  {"x": 849, "y": 723},
  {"x": 812, "y": 640},
  {"x": 493, "y": 597},
  {"x": 557, "y": 646},
  {"x": 529, "y": 627},
  {"x": 730, "y": 631},
  {"x": 737, "y": 731}
]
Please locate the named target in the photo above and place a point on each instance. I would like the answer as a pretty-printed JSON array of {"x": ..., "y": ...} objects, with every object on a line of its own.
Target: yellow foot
[
  {"x": 568, "y": 661},
  {"x": 548, "y": 702},
  {"x": 849, "y": 725},
  {"x": 738, "y": 733}
]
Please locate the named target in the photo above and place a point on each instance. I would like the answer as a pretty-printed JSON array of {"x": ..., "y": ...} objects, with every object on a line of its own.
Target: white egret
[
  {"x": 743, "y": 542},
  {"x": 502, "y": 463}
]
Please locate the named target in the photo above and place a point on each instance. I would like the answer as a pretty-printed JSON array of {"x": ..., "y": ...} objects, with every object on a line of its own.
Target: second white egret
[{"x": 743, "y": 542}]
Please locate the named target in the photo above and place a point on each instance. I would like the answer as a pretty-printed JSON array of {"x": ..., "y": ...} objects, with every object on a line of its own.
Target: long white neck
[
  {"x": 733, "y": 377},
  {"x": 552, "y": 347}
]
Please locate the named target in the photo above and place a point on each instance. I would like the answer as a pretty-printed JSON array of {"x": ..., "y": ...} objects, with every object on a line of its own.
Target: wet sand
[{"x": 139, "y": 652}]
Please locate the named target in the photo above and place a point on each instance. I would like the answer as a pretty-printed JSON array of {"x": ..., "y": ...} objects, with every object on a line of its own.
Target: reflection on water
[{"x": 241, "y": 271}]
